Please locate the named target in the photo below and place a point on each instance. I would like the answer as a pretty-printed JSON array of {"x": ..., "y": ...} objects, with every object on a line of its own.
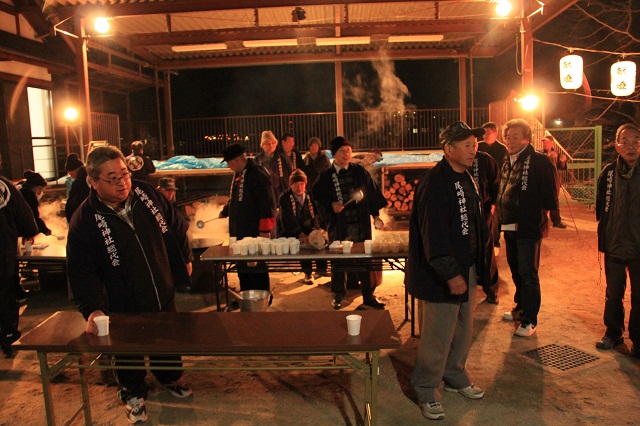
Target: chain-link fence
[{"x": 583, "y": 148}]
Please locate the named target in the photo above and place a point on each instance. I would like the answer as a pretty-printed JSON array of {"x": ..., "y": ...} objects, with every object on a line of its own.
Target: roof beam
[
  {"x": 182, "y": 6},
  {"x": 298, "y": 58},
  {"x": 327, "y": 30}
]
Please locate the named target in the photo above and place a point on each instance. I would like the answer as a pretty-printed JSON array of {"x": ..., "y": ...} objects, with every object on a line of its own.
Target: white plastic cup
[
  {"x": 285, "y": 247},
  {"x": 232, "y": 240},
  {"x": 28, "y": 247},
  {"x": 103, "y": 325},
  {"x": 346, "y": 246},
  {"x": 368, "y": 246},
  {"x": 294, "y": 246},
  {"x": 264, "y": 247},
  {"x": 244, "y": 249},
  {"x": 236, "y": 248},
  {"x": 279, "y": 247},
  {"x": 252, "y": 247},
  {"x": 353, "y": 324}
]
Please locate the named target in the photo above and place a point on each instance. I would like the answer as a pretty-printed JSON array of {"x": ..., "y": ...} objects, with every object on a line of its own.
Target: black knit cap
[
  {"x": 232, "y": 151},
  {"x": 72, "y": 163},
  {"x": 338, "y": 143},
  {"x": 34, "y": 179}
]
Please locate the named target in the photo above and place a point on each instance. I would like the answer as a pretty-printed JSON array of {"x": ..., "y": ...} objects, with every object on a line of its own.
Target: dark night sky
[{"x": 310, "y": 87}]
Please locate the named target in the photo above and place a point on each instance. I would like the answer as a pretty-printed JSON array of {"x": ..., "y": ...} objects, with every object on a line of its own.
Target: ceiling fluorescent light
[
  {"x": 415, "y": 38},
  {"x": 279, "y": 42},
  {"x": 199, "y": 47},
  {"x": 341, "y": 41}
]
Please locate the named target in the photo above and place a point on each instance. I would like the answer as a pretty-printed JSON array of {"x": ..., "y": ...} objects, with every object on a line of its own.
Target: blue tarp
[{"x": 189, "y": 162}]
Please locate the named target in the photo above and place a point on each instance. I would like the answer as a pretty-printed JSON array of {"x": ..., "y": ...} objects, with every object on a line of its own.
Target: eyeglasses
[
  {"x": 631, "y": 144},
  {"x": 116, "y": 180}
]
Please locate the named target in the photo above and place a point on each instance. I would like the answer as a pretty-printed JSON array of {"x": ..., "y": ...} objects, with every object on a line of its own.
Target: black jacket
[
  {"x": 78, "y": 193},
  {"x": 295, "y": 218},
  {"x": 528, "y": 189},
  {"x": 486, "y": 174},
  {"x": 279, "y": 168},
  {"x": 111, "y": 267},
  {"x": 16, "y": 220},
  {"x": 313, "y": 168},
  {"x": 325, "y": 194},
  {"x": 32, "y": 200},
  {"x": 140, "y": 166},
  {"x": 439, "y": 247},
  {"x": 617, "y": 210},
  {"x": 251, "y": 207}
]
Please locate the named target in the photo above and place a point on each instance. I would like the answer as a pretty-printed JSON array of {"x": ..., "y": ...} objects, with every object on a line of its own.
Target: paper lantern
[
  {"x": 623, "y": 78},
  {"x": 571, "y": 72}
]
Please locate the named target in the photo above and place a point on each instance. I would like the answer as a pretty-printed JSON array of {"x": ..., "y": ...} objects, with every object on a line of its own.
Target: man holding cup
[
  {"x": 127, "y": 250},
  {"x": 334, "y": 191},
  {"x": 447, "y": 239}
]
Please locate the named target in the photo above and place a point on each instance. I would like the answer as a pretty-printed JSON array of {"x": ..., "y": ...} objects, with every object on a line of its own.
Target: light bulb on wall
[{"x": 70, "y": 113}]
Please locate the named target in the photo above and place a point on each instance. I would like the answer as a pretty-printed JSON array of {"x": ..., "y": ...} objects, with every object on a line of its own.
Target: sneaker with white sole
[
  {"x": 513, "y": 315},
  {"x": 136, "y": 410},
  {"x": 308, "y": 280},
  {"x": 179, "y": 388},
  {"x": 526, "y": 329},
  {"x": 470, "y": 392},
  {"x": 432, "y": 410}
]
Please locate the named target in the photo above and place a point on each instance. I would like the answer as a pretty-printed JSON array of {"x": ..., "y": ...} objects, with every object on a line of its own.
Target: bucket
[{"x": 254, "y": 300}]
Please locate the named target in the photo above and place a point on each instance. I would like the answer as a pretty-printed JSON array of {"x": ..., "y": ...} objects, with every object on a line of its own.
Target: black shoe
[
  {"x": 375, "y": 304},
  {"x": 492, "y": 299},
  {"x": 608, "y": 343},
  {"x": 559, "y": 225},
  {"x": 21, "y": 296},
  {"x": 5, "y": 343},
  {"x": 337, "y": 301}
]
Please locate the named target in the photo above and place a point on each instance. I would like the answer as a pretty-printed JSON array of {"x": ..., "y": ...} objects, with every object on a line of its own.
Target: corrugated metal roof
[{"x": 147, "y": 29}]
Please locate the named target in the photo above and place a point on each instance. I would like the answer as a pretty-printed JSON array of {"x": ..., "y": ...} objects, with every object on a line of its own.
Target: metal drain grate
[{"x": 561, "y": 357}]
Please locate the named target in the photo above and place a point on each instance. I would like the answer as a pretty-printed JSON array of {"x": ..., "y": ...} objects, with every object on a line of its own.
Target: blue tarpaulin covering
[{"x": 189, "y": 162}]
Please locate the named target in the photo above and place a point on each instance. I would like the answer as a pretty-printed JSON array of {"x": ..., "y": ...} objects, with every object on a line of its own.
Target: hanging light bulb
[
  {"x": 101, "y": 25},
  {"x": 503, "y": 8},
  {"x": 571, "y": 72},
  {"x": 623, "y": 78}
]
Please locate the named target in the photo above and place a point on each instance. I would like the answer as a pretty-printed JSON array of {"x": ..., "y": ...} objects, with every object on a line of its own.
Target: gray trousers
[{"x": 445, "y": 340}]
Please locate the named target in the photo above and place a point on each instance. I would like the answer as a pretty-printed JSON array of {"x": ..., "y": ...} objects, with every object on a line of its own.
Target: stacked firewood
[{"x": 399, "y": 194}]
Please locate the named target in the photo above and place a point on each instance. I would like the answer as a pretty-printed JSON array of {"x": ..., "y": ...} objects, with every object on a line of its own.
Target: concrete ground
[{"x": 587, "y": 386}]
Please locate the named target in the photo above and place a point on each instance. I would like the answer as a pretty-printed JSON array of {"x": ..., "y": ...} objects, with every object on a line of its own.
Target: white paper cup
[
  {"x": 244, "y": 249},
  {"x": 103, "y": 325},
  {"x": 294, "y": 246},
  {"x": 252, "y": 248},
  {"x": 264, "y": 248},
  {"x": 285, "y": 247},
  {"x": 236, "y": 248},
  {"x": 232, "y": 241},
  {"x": 353, "y": 324},
  {"x": 368, "y": 246},
  {"x": 279, "y": 247},
  {"x": 346, "y": 246}
]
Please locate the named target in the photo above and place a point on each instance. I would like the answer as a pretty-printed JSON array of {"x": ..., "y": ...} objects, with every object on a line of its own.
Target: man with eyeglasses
[
  {"x": 528, "y": 190},
  {"x": 127, "y": 251},
  {"x": 617, "y": 207}
]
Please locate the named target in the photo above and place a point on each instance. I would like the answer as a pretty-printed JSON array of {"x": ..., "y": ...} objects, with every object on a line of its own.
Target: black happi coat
[{"x": 325, "y": 193}]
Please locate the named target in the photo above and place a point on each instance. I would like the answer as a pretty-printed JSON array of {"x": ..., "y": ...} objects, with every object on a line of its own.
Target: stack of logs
[{"x": 399, "y": 195}]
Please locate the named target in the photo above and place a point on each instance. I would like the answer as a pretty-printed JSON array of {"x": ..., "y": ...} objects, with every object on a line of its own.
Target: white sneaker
[
  {"x": 512, "y": 315},
  {"x": 470, "y": 392},
  {"x": 525, "y": 330},
  {"x": 432, "y": 410}
]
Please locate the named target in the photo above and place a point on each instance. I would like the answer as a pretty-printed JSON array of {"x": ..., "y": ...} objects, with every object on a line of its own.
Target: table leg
[
  {"x": 46, "y": 388},
  {"x": 85, "y": 390},
  {"x": 371, "y": 388}
]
